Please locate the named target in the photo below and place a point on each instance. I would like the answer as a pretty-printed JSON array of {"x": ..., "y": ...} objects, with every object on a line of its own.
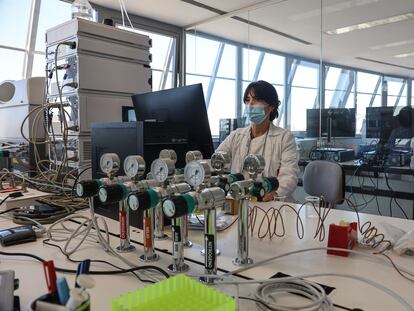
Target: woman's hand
[{"x": 270, "y": 196}]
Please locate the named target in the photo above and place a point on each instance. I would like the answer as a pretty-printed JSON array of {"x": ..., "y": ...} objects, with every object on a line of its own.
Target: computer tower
[{"x": 135, "y": 138}]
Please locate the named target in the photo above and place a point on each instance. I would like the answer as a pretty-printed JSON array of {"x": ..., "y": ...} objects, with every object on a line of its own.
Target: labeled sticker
[
  {"x": 176, "y": 231},
  {"x": 123, "y": 225},
  {"x": 210, "y": 249},
  {"x": 148, "y": 232}
]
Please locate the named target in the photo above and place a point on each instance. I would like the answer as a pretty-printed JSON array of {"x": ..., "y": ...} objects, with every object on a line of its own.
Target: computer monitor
[
  {"x": 340, "y": 121},
  {"x": 184, "y": 105},
  {"x": 379, "y": 122}
]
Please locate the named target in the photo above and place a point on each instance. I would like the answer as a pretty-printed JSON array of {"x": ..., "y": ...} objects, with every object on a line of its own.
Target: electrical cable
[
  {"x": 9, "y": 210},
  {"x": 367, "y": 255},
  {"x": 392, "y": 190},
  {"x": 46, "y": 241},
  {"x": 268, "y": 288},
  {"x": 219, "y": 229},
  {"x": 84, "y": 231},
  {"x": 110, "y": 272}
]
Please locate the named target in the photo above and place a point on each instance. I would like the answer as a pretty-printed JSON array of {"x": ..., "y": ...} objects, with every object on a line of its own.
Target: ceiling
[{"x": 371, "y": 49}]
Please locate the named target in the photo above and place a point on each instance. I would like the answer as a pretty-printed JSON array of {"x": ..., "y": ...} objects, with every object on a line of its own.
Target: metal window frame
[
  {"x": 214, "y": 71},
  {"x": 31, "y": 38}
]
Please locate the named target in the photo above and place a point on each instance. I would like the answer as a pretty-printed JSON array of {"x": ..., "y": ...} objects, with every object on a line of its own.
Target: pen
[
  {"x": 50, "y": 275},
  {"x": 83, "y": 268}
]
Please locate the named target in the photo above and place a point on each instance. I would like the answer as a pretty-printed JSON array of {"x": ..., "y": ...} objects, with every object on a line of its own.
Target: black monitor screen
[
  {"x": 388, "y": 123},
  {"x": 342, "y": 120},
  {"x": 379, "y": 122},
  {"x": 184, "y": 105}
]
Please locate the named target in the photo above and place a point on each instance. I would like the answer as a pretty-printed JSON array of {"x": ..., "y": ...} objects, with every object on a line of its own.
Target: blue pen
[{"x": 83, "y": 268}]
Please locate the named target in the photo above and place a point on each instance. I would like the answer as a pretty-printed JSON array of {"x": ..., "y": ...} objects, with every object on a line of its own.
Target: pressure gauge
[
  {"x": 134, "y": 166},
  {"x": 133, "y": 202},
  {"x": 168, "y": 154},
  {"x": 196, "y": 173},
  {"x": 193, "y": 155},
  {"x": 110, "y": 163},
  {"x": 254, "y": 164},
  {"x": 168, "y": 208},
  {"x": 161, "y": 169},
  {"x": 220, "y": 161}
]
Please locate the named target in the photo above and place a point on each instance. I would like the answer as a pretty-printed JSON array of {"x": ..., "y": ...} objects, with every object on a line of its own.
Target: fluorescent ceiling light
[
  {"x": 344, "y": 5},
  {"x": 404, "y": 55},
  {"x": 378, "y": 22},
  {"x": 392, "y": 44}
]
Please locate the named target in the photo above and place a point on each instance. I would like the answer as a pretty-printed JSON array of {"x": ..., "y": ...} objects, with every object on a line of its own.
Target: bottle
[{"x": 82, "y": 9}]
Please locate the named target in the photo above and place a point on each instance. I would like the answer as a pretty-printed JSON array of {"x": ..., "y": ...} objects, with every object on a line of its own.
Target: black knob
[
  {"x": 108, "y": 21},
  {"x": 87, "y": 188},
  {"x": 4, "y": 153},
  {"x": 223, "y": 184},
  {"x": 111, "y": 194},
  {"x": 175, "y": 207},
  {"x": 139, "y": 201},
  {"x": 271, "y": 183},
  {"x": 237, "y": 177}
]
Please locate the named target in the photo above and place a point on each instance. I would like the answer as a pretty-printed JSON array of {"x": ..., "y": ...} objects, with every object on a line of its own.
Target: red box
[{"x": 342, "y": 237}]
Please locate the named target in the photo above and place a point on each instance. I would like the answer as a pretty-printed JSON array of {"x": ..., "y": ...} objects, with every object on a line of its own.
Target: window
[
  {"x": 14, "y": 43},
  {"x": 213, "y": 64},
  {"x": 368, "y": 95},
  {"x": 15, "y": 16},
  {"x": 396, "y": 92},
  {"x": 412, "y": 93},
  {"x": 304, "y": 92},
  {"x": 16, "y": 56},
  {"x": 163, "y": 52},
  {"x": 52, "y": 13},
  {"x": 339, "y": 88},
  {"x": 11, "y": 64}
]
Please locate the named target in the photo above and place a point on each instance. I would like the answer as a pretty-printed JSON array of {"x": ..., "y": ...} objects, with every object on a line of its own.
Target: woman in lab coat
[{"x": 275, "y": 144}]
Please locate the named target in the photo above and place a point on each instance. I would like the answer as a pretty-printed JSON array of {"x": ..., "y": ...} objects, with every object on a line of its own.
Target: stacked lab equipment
[{"x": 93, "y": 70}]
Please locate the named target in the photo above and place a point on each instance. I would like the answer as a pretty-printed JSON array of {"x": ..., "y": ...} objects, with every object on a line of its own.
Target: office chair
[{"x": 326, "y": 179}]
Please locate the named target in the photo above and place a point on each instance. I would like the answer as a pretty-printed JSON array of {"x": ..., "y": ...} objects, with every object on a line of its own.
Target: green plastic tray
[{"x": 178, "y": 293}]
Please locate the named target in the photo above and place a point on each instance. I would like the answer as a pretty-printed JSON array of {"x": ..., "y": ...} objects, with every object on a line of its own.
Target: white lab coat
[{"x": 279, "y": 153}]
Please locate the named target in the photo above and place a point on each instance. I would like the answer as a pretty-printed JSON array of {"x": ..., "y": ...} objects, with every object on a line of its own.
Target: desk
[{"x": 349, "y": 293}]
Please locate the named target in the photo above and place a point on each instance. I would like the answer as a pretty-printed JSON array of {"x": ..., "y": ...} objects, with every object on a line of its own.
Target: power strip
[{"x": 28, "y": 198}]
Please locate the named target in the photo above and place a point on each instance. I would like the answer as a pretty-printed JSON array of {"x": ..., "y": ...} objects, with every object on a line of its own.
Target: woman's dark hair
[
  {"x": 266, "y": 92},
  {"x": 406, "y": 117}
]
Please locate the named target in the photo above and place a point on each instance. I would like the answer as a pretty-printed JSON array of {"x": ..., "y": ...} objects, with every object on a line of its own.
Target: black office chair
[{"x": 325, "y": 179}]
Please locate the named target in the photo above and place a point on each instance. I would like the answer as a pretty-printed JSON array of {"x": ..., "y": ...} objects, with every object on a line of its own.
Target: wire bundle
[
  {"x": 269, "y": 223},
  {"x": 268, "y": 293}
]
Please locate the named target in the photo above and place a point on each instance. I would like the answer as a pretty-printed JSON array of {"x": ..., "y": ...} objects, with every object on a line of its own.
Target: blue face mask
[{"x": 255, "y": 114}]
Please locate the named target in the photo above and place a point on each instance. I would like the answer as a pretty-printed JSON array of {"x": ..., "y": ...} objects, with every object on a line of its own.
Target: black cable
[
  {"x": 4, "y": 200},
  {"x": 9, "y": 210},
  {"x": 46, "y": 241},
  {"x": 221, "y": 229},
  {"x": 389, "y": 187},
  {"x": 64, "y": 270},
  {"x": 15, "y": 194}
]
